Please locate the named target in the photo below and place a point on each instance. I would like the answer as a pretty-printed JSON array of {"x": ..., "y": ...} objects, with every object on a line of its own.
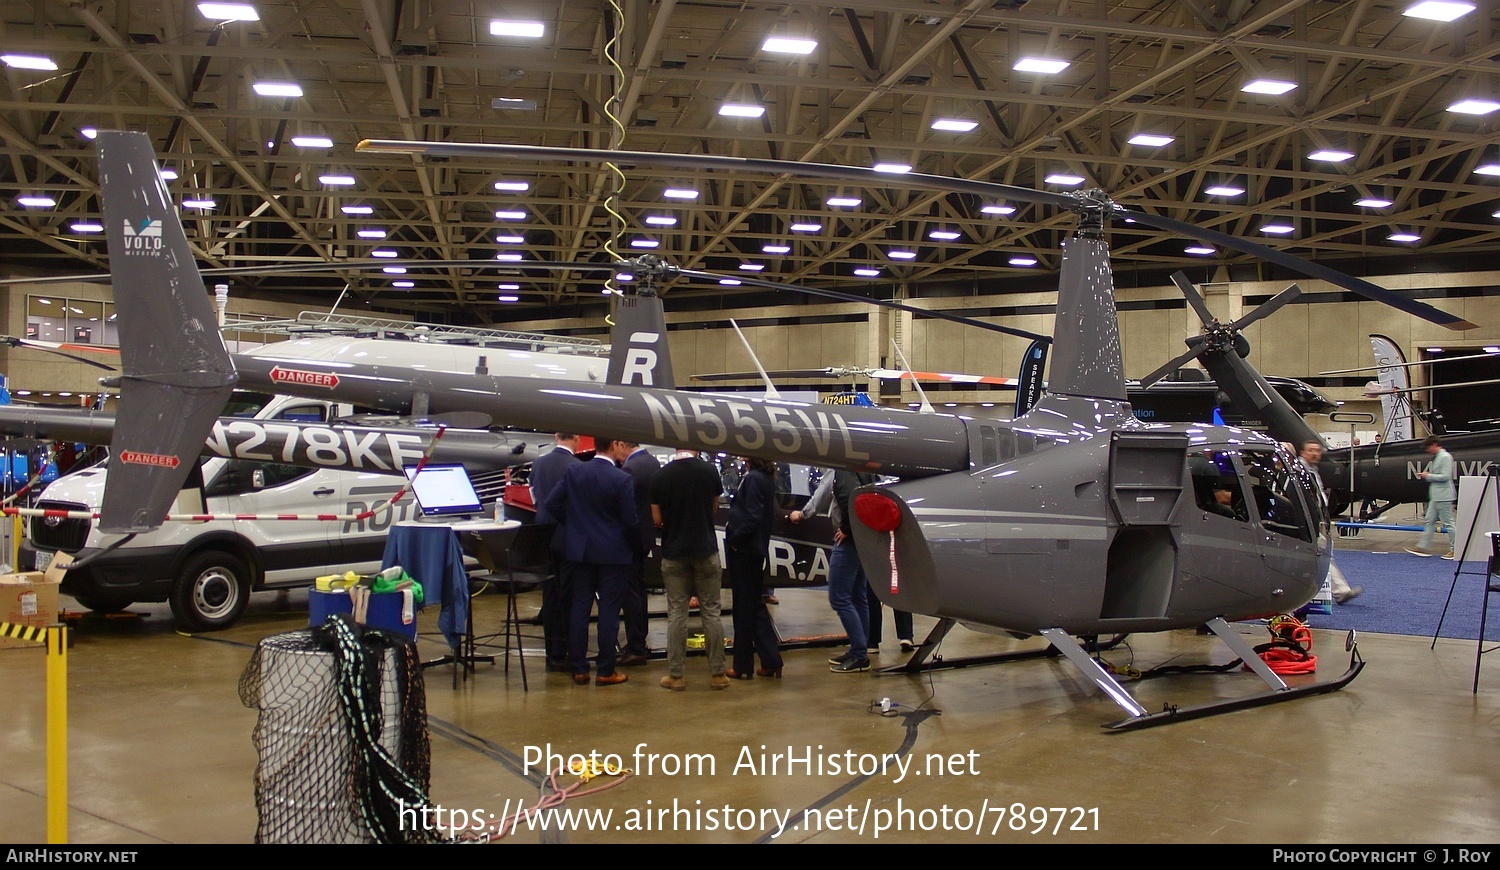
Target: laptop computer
[{"x": 444, "y": 492}]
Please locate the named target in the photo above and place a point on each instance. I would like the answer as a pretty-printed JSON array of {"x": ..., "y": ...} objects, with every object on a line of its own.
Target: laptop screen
[{"x": 443, "y": 490}]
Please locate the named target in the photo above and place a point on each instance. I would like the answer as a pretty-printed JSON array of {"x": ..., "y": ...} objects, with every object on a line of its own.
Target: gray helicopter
[{"x": 1073, "y": 521}]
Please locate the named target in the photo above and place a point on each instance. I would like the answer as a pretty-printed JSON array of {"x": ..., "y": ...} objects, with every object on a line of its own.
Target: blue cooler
[{"x": 384, "y": 611}]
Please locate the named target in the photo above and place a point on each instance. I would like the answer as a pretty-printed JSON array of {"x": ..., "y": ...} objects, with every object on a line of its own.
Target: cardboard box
[{"x": 30, "y": 599}]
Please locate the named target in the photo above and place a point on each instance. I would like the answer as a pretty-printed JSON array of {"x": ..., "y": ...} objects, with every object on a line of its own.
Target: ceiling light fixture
[
  {"x": 1043, "y": 65},
  {"x": 867, "y": 272},
  {"x": 1474, "y": 107},
  {"x": 1278, "y": 226},
  {"x": 204, "y": 204},
  {"x": 87, "y": 227},
  {"x": 751, "y": 267},
  {"x": 892, "y": 168},
  {"x": 1331, "y": 155},
  {"x": 1438, "y": 10},
  {"x": 730, "y": 282},
  {"x": 28, "y": 61},
  {"x": 510, "y": 240},
  {"x": 169, "y": 173},
  {"x": 228, "y": 12},
  {"x": 1487, "y": 169},
  {"x": 357, "y": 209},
  {"x": 1403, "y": 236},
  {"x": 1198, "y": 250},
  {"x": 1151, "y": 140},
  {"x": 371, "y": 234},
  {"x": 842, "y": 201},
  {"x": 337, "y": 180},
  {"x": 1224, "y": 190},
  {"x": 312, "y": 141},
  {"x": 385, "y": 253},
  {"x": 89, "y": 133},
  {"x": 510, "y": 287},
  {"x": 644, "y": 243},
  {"x": 508, "y": 298},
  {"x": 954, "y": 125},
  {"x": 1023, "y": 260},
  {"x": 680, "y": 193},
  {"x": 508, "y": 257},
  {"x": 513, "y": 185},
  {"x": 901, "y": 255},
  {"x": 277, "y": 89},
  {"x": 525, "y": 29},
  {"x": 741, "y": 110},
  {"x": 36, "y": 201},
  {"x": 788, "y": 45},
  {"x": 1272, "y": 87},
  {"x": 806, "y": 228},
  {"x": 944, "y": 235},
  {"x": 1065, "y": 178},
  {"x": 998, "y": 209},
  {"x": 504, "y": 215},
  {"x": 776, "y": 249},
  {"x": 1373, "y": 202},
  {"x": 404, "y": 285},
  {"x": 661, "y": 220}
]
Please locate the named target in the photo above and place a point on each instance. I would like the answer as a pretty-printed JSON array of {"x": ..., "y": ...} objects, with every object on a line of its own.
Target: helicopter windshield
[{"x": 1276, "y": 491}]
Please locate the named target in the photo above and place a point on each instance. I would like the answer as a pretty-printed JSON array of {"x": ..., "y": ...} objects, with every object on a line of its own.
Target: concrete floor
[{"x": 161, "y": 747}]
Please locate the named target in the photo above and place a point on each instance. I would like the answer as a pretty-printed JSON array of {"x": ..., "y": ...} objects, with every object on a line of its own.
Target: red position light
[{"x": 878, "y": 511}]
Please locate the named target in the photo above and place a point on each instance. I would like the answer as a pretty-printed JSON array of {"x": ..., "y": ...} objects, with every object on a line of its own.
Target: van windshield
[{"x": 244, "y": 403}]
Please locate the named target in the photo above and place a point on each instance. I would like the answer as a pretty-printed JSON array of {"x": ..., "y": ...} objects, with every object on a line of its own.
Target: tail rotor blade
[
  {"x": 1191, "y": 354},
  {"x": 1269, "y": 307},
  {"x": 1194, "y": 298}
]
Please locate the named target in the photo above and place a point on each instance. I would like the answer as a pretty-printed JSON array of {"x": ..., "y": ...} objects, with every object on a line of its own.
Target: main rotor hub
[
  {"x": 1092, "y": 205},
  {"x": 650, "y": 272}
]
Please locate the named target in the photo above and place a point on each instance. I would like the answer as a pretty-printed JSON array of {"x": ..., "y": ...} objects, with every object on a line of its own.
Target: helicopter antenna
[
  {"x": 926, "y": 405},
  {"x": 771, "y": 392}
]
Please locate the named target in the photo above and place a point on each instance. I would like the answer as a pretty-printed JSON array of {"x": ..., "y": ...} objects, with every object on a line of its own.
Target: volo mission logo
[{"x": 143, "y": 237}]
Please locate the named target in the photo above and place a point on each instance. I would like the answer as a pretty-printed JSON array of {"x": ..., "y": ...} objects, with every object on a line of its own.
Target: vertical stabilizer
[
  {"x": 175, "y": 374},
  {"x": 638, "y": 354},
  {"x": 1086, "y": 357}
]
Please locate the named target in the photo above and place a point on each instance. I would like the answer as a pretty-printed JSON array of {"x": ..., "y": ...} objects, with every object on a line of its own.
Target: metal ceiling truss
[{"x": 650, "y": 75}]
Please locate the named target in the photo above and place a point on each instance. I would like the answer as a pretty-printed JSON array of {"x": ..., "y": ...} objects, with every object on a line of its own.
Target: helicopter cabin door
[{"x": 1145, "y": 492}]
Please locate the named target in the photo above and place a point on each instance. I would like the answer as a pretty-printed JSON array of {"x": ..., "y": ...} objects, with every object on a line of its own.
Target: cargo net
[{"x": 342, "y": 736}]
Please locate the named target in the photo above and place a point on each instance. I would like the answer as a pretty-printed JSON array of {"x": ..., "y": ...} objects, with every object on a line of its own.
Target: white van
[{"x": 207, "y": 570}]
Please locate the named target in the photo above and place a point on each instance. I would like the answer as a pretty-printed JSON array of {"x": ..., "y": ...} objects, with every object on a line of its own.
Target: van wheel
[{"x": 211, "y": 591}]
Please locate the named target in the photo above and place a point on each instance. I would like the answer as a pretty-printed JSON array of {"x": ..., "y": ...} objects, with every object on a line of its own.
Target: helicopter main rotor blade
[
  {"x": 855, "y": 174},
  {"x": 823, "y": 374},
  {"x": 1411, "y": 365},
  {"x": 1194, "y": 298},
  {"x": 47, "y": 347},
  {"x": 1301, "y": 266},
  {"x": 1267, "y": 308},
  {"x": 1175, "y": 364}
]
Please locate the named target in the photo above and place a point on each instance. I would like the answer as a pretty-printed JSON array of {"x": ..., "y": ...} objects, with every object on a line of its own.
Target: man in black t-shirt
[{"x": 684, "y": 495}]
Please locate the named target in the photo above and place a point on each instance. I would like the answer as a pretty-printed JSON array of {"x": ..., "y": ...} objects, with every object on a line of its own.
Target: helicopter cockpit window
[
  {"x": 1216, "y": 485},
  {"x": 1278, "y": 499}
]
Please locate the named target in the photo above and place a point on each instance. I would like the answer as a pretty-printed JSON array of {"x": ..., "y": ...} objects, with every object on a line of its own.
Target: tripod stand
[{"x": 1492, "y": 566}]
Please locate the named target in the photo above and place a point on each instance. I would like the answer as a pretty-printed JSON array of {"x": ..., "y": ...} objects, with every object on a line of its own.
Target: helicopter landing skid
[
  {"x": 919, "y": 662},
  {"x": 1277, "y": 692}
]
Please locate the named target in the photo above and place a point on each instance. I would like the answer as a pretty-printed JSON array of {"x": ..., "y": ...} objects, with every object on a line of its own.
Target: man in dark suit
[
  {"x": 557, "y": 593},
  {"x": 594, "y": 507},
  {"x": 642, "y": 468}
]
